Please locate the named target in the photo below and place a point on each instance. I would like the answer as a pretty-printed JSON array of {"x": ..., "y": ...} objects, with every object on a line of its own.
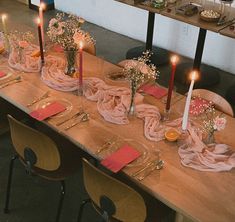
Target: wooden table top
[
  {"x": 228, "y": 32},
  {"x": 201, "y": 196}
]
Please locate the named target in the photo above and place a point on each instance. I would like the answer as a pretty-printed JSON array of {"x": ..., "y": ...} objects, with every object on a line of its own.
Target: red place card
[
  {"x": 156, "y": 91},
  {"x": 50, "y": 110},
  {"x": 120, "y": 158},
  {"x": 2, "y": 74}
]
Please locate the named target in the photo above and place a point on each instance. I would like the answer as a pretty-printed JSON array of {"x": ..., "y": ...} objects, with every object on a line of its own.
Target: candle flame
[
  {"x": 4, "y": 16},
  {"x": 194, "y": 75},
  {"x": 81, "y": 44},
  {"x": 42, "y": 6},
  {"x": 38, "y": 21},
  {"x": 174, "y": 59}
]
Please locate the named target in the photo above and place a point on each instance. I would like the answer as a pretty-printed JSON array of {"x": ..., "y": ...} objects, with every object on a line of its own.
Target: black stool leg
[
  {"x": 6, "y": 208},
  {"x": 84, "y": 202},
  {"x": 62, "y": 193}
]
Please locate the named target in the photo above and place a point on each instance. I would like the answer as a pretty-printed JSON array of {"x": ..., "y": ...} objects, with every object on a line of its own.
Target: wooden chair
[
  {"x": 219, "y": 102},
  {"x": 40, "y": 155},
  {"x": 112, "y": 199}
]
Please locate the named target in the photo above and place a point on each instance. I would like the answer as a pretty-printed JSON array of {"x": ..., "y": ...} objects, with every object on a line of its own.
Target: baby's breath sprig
[
  {"x": 212, "y": 122},
  {"x": 140, "y": 69}
]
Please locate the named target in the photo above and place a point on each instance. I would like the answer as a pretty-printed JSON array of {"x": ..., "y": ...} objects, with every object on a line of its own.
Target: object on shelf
[
  {"x": 187, "y": 9},
  {"x": 159, "y": 4},
  {"x": 210, "y": 15},
  {"x": 225, "y": 7},
  {"x": 224, "y": 20}
]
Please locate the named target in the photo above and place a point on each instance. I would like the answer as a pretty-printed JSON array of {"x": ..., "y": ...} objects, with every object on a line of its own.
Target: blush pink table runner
[
  {"x": 113, "y": 104},
  {"x": 28, "y": 63}
]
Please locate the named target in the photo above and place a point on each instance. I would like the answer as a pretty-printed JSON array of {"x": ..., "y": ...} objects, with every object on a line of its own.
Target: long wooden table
[{"x": 201, "y": 196}]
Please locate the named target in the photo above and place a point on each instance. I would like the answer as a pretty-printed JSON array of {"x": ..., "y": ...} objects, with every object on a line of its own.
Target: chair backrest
[
  {"x": 219, "y": 102},
  {"x": 28, "y": 141},
  {"x": 143, "y": 67},
  {"x": 129, "y": 204}
]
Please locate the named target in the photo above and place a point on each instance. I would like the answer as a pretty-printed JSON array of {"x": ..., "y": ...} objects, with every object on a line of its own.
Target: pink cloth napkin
[
  {"x": 2, "y": 74},
  {"x": 198, "y": 106},
  {"x": 58, "y": 48},
  {"x": 120, "y": 158},
  {"x": 157, "y": 92},
  {"x": 50, "y": 110}
]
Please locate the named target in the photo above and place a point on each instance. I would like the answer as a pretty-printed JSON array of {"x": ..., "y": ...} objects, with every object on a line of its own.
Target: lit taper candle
[
  {"x": 40, "y": 40},
  {"x": 80, "y": 64},
  {"x": 193, "y": 76},
  {"x": 42, "y": 7},
  {"x": 174, "y": 60},
  {"x": 4, "y": 26}
]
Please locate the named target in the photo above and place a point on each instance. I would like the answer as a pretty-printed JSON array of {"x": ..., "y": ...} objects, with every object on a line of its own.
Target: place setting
[{"x": 8, "y": 77}]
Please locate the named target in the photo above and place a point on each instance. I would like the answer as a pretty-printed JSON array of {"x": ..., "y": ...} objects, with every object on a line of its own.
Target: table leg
[
  {"x": 160, "y": 56},
  {"x": 150, "y": 29},
  {"x": 209, "y": 75},
  {"x": 199, "y": 50}
]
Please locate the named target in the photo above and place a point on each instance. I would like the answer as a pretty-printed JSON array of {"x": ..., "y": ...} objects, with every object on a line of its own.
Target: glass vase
[
  {"x": 131, "y": 111},
  {"x": 71, "y": 66},
  {"x": 210, "y": 138},
  {"x": 20, "y": 55}
]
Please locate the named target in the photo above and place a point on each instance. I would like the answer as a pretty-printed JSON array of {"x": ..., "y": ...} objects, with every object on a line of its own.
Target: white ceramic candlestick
[{"x": 188, "y": 101}]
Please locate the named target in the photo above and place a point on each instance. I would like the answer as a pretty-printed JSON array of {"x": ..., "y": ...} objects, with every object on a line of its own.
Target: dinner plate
[
  {"x": 134, "y": 144},
  {"x": 44, "y": 103}
]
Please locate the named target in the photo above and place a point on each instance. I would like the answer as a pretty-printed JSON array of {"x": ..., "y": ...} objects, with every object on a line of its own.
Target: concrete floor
[{"x": 35, "y": 199}]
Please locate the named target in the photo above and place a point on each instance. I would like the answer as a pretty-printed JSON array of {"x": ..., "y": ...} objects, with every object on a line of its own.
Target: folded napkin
[
  {"x": 156, "y": 91},
  {"x": 2, "y": 74},
  {"x": 120, "y": 158},
  {"x": 50, "y": 110},
  {"x": 58, "y": 48},
  {"x": 198, "y": 106}
]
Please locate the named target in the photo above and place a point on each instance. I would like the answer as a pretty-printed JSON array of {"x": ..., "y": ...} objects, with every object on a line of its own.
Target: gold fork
[{"x": 157, "y": 166}]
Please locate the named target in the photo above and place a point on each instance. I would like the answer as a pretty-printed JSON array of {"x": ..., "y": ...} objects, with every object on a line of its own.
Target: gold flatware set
[
  {"x": 148, "y": 169},
  {"x": 11, "y": 81}
]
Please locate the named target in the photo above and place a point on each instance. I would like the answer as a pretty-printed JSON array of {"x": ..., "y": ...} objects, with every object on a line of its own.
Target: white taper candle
[{"x": 188, "y": 101}]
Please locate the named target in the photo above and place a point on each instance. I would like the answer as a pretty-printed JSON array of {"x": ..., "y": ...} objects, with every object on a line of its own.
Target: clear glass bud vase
[
  {"x": 71, "y": 66},
  {"x": 131, "y": 110}
]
